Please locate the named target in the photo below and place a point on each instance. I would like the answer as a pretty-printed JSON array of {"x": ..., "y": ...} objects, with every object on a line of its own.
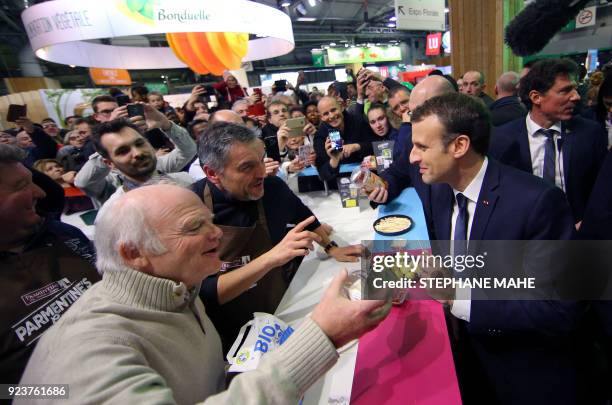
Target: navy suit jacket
[{"x": 583, "y": 153}]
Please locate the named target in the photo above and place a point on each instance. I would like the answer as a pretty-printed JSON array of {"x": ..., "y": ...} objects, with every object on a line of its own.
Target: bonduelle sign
[{"x": 65, "y": 31}]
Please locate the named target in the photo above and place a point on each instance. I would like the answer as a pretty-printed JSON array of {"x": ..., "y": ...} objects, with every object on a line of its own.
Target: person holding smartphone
[
  {"x": 126, "y": 160},
  {"x": 352, "y": 131}
]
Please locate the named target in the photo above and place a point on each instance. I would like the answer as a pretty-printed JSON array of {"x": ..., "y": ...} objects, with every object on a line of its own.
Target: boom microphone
[{"x": 532, "y": 28}]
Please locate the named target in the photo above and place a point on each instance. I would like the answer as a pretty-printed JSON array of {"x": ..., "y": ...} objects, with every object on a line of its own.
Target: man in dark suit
[
  {"x": 564, "y": 150},
  {"x": 507, "y": 106},
  {"x": 522, "y": 346}
]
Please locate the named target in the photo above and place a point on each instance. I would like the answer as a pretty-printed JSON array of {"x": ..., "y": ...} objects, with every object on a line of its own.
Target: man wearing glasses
[{"x": 103, "y": 107}]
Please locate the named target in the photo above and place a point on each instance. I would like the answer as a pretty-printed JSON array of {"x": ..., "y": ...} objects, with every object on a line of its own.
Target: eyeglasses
[
  {"x": 277, "y": 112},
  {"x": 401, "y": 104}
]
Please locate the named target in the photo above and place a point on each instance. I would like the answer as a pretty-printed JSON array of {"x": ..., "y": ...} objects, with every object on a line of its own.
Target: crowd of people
[{"x": 200, "y": 225}]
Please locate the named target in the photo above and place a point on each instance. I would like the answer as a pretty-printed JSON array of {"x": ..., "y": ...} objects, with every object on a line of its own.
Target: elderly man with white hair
[{"x": 141, "y": 335}]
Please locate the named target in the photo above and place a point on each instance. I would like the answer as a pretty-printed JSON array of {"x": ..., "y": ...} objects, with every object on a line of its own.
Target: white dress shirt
[
  {"x": 537, "y": 142},
  {"x": 462, "y": 303}
]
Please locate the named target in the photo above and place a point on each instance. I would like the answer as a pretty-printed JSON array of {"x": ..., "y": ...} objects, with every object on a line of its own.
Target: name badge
[{"x": 234, "y": 264}]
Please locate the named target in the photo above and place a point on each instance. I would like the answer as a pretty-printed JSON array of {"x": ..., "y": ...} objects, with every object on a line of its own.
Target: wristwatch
[{"x": 330, "y": 245}]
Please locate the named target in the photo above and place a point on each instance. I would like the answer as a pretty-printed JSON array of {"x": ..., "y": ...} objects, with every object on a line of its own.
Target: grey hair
[
  {"x": 217, "y": 140},
  {"x": 482, "y": 76},
  {"x": 163, "y": 179},
  {"x": 508, "y": 82},
  {"x": 67, "y": 137},
  {"x": 10, "y": 154},
  {"x": 122, "y": 221},
  {"x": 238, "y": 102}
]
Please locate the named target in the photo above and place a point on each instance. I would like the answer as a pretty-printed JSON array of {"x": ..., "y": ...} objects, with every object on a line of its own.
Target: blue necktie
[
  {"x": 461, "y": 226},
  {"x": 549, "y": 156}
]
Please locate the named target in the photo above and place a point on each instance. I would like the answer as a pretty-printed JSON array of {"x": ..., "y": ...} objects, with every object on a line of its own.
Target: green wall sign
[
  {"x": 355, "y": 55},
  {"x": 318, "y": 59},
  {"x": 159, "y": 87}
]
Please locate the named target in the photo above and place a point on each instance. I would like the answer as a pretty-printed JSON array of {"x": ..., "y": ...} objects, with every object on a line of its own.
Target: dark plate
[{"x": 393, "y": 233}]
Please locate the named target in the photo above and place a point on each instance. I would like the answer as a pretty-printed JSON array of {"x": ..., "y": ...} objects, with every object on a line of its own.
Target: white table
[{"x": 351, "y": 226}]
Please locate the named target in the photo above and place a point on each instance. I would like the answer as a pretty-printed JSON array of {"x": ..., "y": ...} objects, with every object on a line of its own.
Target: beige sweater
[{"x": 137, "y": 339}]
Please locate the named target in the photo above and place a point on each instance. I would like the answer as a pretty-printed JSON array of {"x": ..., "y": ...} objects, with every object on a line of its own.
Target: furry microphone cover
[{"x": 533, "y": 27}]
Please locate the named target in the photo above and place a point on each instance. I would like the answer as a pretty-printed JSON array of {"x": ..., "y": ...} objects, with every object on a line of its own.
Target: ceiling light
[
  {"x": 394, "y": 18},
  {"x": 72, "y": 66},
  {"x": 446, "y": 9},
  {"x": 346, "y": 45},
  {"x": 285, "y": 4},
  {"x": 312, "y": 3},
  {"x": 326, "y": 47},
  {"x": 306, "y": 19},
  {"x": 391, "y": 25},
  {"x": 332, "y": 44}
]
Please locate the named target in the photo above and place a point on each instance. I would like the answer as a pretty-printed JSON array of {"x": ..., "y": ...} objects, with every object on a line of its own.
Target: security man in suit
[{"x": 564, "y": 150}]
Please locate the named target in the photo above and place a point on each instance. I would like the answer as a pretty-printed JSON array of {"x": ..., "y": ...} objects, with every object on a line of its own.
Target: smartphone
[
  {"x": 304, "y": 152},
  {"x": 204, "y": 98},
  {"x": 122, "y": 99},
  {"x": 296, "y": 126},
  {"x": 256, "y": 110},
  {"x": 280, "y": 85},
  {"x": 258, "y": 93},
  {"x": 16, "y": 111},
  {"x": 336, "y": 140},
  {"x": 135, "y": 110}
]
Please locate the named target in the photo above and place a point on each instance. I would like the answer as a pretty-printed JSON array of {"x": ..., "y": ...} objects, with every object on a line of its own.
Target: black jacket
[{"x": 506, "y": 109}]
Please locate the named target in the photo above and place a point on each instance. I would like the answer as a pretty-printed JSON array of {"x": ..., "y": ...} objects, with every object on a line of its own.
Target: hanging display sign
[
  {"x": 110, "y": 77},
  {"x": 420, "y": 15},
  {"x": 433, "y": 44},
  {"x": 65, "y": 31},
  {"x": 343, "y": 56}
]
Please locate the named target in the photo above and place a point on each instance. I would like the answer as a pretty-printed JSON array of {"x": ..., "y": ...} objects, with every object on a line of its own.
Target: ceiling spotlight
[
  {"x": 393, "y": 18},
  {"x": 332, "y": 44},
  {"x": 391, "y": 25},
  {"x": 312, "y": 3},
  {"x": 446, "y": 9},
  {"x": 72, "y": 66},
  {"x": 285, "y": 3}
]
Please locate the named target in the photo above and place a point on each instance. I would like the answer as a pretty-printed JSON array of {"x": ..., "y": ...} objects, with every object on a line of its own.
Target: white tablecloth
[{"x": 351, "y": 226}]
